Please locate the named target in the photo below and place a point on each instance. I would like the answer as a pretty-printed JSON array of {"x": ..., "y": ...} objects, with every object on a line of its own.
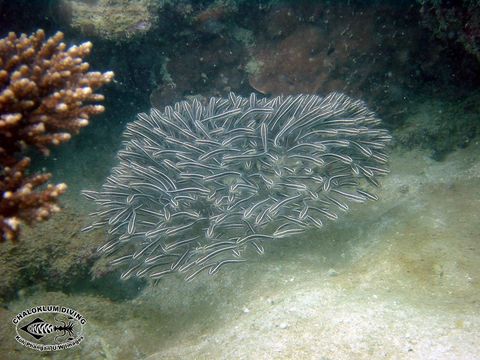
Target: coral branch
[{"x": 46, "y": 95}]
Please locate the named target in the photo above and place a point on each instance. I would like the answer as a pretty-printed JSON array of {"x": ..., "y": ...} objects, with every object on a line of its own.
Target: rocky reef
[
  {"x": 414, "y": 63},
  {"x": 454, "y": 22},
  {"x": 118, "y": 20}
]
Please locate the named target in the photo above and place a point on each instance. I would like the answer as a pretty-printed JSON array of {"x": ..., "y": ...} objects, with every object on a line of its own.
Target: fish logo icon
[
  {"x": 38, "y": 328},
  {"x": 49, "y": 327}
]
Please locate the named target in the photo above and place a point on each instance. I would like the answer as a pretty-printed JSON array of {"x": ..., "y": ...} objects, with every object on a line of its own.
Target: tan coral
[
  {"x": 46, "y": 95},
  {"x": 117, "y": 20}
]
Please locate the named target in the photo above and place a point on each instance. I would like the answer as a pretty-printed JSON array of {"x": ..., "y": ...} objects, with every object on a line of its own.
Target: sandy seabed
[{"x": 393, "y": 279}]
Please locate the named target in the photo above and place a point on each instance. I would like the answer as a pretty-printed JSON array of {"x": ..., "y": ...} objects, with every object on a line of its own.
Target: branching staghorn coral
[
  {"x": 199, "y": 186},
  {"x": 46, "y": 93}
]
